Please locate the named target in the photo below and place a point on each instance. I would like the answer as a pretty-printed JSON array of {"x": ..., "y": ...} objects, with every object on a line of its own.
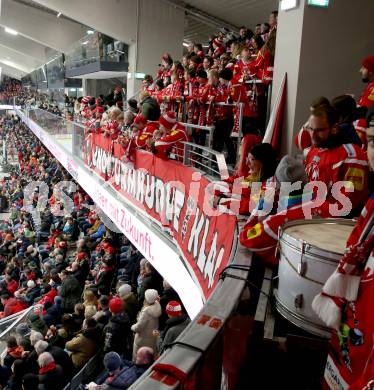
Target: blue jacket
[
  {"x": 127, "y": 376},
  {"x": 99, "y": 233}
]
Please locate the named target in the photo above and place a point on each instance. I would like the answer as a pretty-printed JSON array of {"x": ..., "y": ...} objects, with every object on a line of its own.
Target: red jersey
[
  {"x": 347, "y": 162},
  {"x": 366, "y": 100},
  {"x": 172, "y": 142}
]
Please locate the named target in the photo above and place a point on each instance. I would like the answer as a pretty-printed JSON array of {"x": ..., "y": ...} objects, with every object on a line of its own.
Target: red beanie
[
  {"x": 116, "y": 305},
  {"x": 368, "y": 63},
  {"x": 81, "y": 255},
  {"x": 173, "y": 309},
  {"x": 168, "y": 120},
  {"x": 139, "y": 119}
]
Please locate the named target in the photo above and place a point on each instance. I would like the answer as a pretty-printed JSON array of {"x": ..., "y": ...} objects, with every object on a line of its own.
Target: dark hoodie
[
  {"x": 38, "y": 324},
  {"x": 174, "y": 327},
  {"x": 117, "y": 334}
]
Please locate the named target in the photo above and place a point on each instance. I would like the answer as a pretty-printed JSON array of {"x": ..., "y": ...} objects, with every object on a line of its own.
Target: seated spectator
[
  {"x": 30, "y": 382},
  {"x": 23, "y": 335},
  {"x": 54, "y": 313},
  {"x": 12, "y": 305},
  {"x": 13, "y": 352},
  {"x": 260, "y": 168},
  {"x": 32, "y": 292},
  {"x": 262, "y": 240},
  {"x": 85, "y": 344},
  {"x": 122, "y": 376},
  {"x": 51, "y": 375},
  {"x": 117, "y": 331},
  {"x": 147, "y": 322},
  {"x": 37, "y": 324},
  {"x": 18, "y": 371},
  {"x": 60, "y": 357}
]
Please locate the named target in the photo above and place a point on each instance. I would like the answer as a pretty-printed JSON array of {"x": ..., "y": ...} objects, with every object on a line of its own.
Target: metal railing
[
  {"x": 14, "y": 320},
  {"x": 204, "y": 335}
]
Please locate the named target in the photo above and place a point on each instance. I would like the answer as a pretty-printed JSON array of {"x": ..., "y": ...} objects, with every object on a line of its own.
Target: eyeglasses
[{"x": 316, "y": 129}]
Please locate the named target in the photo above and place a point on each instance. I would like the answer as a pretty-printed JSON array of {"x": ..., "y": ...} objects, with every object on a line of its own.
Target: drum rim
[
  {"x": 314, "y": 221},
  {"x": 297, "y": 318}
]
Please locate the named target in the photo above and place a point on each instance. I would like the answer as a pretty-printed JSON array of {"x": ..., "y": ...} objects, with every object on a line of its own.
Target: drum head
[{"x": 329, "y": 235}]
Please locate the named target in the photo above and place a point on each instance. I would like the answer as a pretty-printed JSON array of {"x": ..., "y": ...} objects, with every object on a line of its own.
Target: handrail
[
  {"x": 196, "y": 339},
  {"x": 16, "y": 322}
]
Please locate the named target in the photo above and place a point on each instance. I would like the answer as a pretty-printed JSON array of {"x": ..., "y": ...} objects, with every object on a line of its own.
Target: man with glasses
[{"x": 330, "y": 160}]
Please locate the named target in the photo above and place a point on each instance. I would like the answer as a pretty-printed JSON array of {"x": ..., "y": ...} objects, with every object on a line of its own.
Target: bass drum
[{"x": 310, "y": 251}]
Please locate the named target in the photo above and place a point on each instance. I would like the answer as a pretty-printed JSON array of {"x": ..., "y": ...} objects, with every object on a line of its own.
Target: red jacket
[
  {"x": 172, "y": 142},
  {"x": 347, "y": 162},
  {"x": 366, "y": 100},
  {"x": 12, "y": 286},
  {"x": 12, "y": 306}
]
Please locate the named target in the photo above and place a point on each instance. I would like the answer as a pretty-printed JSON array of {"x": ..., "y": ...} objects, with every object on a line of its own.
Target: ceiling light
[
  {"x": 90, "y": 32},
  {"x": 10, "y": 31},
  {"x": 185, "y": 44},
  {"x": 286, "y": 5},
  {"x": 85, "y": 42},
  {"x": 59, "y": 14}
]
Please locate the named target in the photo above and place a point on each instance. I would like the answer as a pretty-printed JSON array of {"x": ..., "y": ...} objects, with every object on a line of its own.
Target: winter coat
[
  {"x": 150, "y": 109},
  {"x": 52, "y": 380},
  {"x": 173, "y": 328},
  {"x": 70, "y": 292},
  {"x": 62, "y": 358},
  {"x": 32, "y": 294},
  {"x": 169, "y": 294},
  {"x": 13, "y": 305},
  {"x": 146, "y": 324},
  {"x": 131, "y": 306},
  {"x": 84, "y": 346},
  {"x": 151, "y": 281},
  {"x": 53, "y": 315},
  {"x": 127, "y": 376},
  {"x": 117, "y": 334},
  {"x": 38, "y": 324}
]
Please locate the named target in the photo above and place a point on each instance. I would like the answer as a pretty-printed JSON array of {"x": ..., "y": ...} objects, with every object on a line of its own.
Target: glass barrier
[
  {"x": 68, "y": 134},
  {"x": 95, "y": 47}
]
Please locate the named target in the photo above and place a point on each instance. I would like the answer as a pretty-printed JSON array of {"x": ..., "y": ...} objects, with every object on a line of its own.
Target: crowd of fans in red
[{"x": 93, "y": 291}]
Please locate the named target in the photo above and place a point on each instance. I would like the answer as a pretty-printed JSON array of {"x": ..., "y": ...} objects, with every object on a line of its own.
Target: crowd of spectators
[{"x": 92, "y": 291}]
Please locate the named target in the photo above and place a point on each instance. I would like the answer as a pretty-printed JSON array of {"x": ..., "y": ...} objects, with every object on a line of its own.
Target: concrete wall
[
  {"x": 150, "y": 27},
  {"x": 321, "y": 50}
]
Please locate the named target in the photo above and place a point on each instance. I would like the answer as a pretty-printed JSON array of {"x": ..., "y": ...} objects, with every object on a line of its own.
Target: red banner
[{"x": 175, "y": 196}]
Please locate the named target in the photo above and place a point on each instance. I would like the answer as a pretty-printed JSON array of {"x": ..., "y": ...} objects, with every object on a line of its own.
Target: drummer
[
  {"x": 346, "y": 301},
  {"x": 330, "y": 160},
  {"x": 261, "y": 237}
]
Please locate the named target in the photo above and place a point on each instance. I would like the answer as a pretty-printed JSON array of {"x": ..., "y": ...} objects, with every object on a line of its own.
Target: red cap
[
  {"x": 368, "y": 63},
  {"x": 173, "y": 309},
  {"x": 116, "y": 305},
  {"x": 168, "y": 120},
  {"x": 81, "y": 255},
  {"x": 139, "y": 119}
]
